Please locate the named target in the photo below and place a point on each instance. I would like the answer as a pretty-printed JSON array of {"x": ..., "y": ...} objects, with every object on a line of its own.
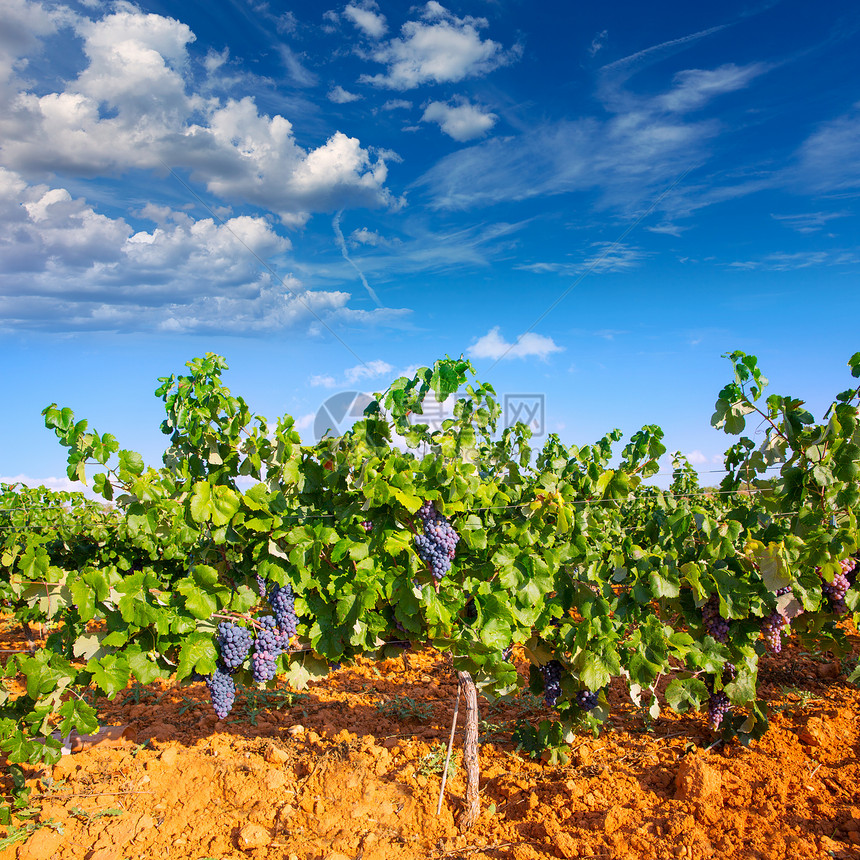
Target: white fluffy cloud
[
  {"x": 367, "y": 19},
  {"x": 133, "y": 107},
  {"x": 696, "y": 457},
  {"x": 368, "y": 370},
  {"x": 440, "y": 48},
  {"x": 492, "y": 345},
  {"x": 462, "y": 121},
  {"x": 322, "y": 381},
  {"x": 65, "y": 266}
]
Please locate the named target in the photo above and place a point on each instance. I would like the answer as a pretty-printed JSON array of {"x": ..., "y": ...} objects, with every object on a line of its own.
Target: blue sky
[{"x": 592, "y": 202}]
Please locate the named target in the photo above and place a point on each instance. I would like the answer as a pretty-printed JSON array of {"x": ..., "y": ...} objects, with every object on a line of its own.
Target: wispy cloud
[
  {"x": 829, "y": 159},
  {"x": 365, "y": 236},
  {"x": 663, "y": 49},
  {"x": 809, "y": 222},
  {"x": 668, "y": 229},
  {"x": 364, "y": 16},
  {"x": 340, "y": 96},
  {"x": 354, "y": 375},
  {"x": 418, "y": 248},
  {"x": 492, "y": 345},
  {"x": 602, "y": 257},
  {"x": 343, "y": 249},
  {"x": 786, "y": 262},
  {"x": 598, "y": 42},
  {"x": 696, "y": 87}
]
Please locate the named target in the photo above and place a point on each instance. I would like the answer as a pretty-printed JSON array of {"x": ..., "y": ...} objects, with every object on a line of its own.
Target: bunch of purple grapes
[
  {"x": 234, "y": 643},
  {"x": 283, "y": 604},
  {"x": 367, "y": 525},
  {"x": 271, "y": 641},
  {"x": 718, "y": 703},
  {"x": 587, "y": 700},
  {"x": 771, "y": 630},
  {"x": 835, "y": 591},
  {"x": 261, "y": 585},
  {"x": 551, "y": 682},
  {"x": 718, "y": 706},
  {"x": 437, "y": 545},
  {"x": 715, "y": 624},
  {"x": 222, "y": 691}
]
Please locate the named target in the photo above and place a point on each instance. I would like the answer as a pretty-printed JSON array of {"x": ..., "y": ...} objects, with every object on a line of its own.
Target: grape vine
[{"x": 565, "y": 552}]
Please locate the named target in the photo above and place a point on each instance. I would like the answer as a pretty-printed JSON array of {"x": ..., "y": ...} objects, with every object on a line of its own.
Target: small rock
[
  {"x": 253, "y": 836},
  {"x": 815, "y": 733},
  {"x": 169, "y": 756},
  {"x": 275, "y": 755},
  {"x": 297, "y": 729}
]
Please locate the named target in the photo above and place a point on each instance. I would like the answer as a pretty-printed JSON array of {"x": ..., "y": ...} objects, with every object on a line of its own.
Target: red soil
[{"x": 348, "y": 770}]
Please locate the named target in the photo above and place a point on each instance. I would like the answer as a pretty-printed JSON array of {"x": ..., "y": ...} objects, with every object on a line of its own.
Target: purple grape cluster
[
  {"x": 715, "y": 624},
  {"x": 718, "y": 706},
  {"x": 730, "y": 672},
  {"x": 234, "y": 643},
  {"x": 437, "y": 545},
  {"x": 587, "y": 700},
  {"x": 261, "y": 585},
  {"x": 283, "y": 605},
  {"x": 771, "y": 630},
  {"x": 835, "y": 591},
  {"x": 551, "y": 682},
  {"x": 506, "y": 654},
  {"x": 271, "y": 641},
  {"x": 367, "y": 525},
  {"x": 222, "y": 691}
]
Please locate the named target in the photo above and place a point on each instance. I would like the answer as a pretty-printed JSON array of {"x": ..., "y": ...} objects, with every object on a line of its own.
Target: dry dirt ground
[{"x": 350, "y": 769}]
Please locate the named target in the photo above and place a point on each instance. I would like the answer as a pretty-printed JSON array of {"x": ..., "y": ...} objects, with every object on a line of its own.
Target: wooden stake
[
  {"x": 470, "y": 753},
  {"x": 450, "y": 746}
]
